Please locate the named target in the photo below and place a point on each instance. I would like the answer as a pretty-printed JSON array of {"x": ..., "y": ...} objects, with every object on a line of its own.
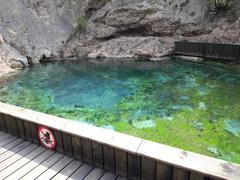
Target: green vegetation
[
  {"x": 190, "y": 106},
  {"x": 220, "y": 4},
  {"x": 82, "y": 23}
]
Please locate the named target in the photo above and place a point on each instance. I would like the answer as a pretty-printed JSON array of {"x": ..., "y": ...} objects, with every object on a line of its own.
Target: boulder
[
  {"x": 38, "y": 28},
  {"x": 153, "y": 17},
  {"x": 146, "y": 47},
  {"x": 12, "y": 57}
]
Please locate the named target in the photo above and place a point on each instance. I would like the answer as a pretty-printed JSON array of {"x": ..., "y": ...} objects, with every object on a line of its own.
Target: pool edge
[{"x": 139, "y": 153}]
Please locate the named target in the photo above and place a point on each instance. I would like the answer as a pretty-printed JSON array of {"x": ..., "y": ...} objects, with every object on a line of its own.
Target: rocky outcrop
[
  {"x": 136, "y": 28},
  {"x": 148, "y": 17},
  {"x": 10, "y": 60},
  {"x": 38, "y": 28},
  {"x": 146, "y": 47},
  {"x": 225, "y": 32},
  {"x": 112, "y": 28}
]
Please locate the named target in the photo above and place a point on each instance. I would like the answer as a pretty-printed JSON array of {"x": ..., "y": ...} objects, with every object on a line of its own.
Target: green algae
[{"x": 187, "y": 105}]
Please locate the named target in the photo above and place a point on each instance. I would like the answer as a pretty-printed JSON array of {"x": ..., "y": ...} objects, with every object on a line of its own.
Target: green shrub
[
  {"x": 220, "y": 4},
  {"x": 82, "y": 23}
]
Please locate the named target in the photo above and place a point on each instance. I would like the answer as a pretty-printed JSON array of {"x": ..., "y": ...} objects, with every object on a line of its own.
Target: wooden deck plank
[
  {"x": 121, "y": 162},
  {"x": 21, "y": 159},
  {"x": 14, "y": 167},
  {"x": 148, "y": 169},
  {"x": 9, "y": 144},
  {"x": 97, "y": 151},
  {"x": 68, "y": 170},
  {"x": 7, "y": 141},
  {"x": 43, "y": 167},
  {"x": 108, "y": 153},
  {"x": 96, "y": 173},
  {"x": 17, "y": 156},
  {"x": 4, "y": 136},
  {"x": 31, "y": 165},
  {"x": 164, "y": 172},
  {"x": 2, "y": 123},
  {"x": 13, "y": 151},
  {"x": 196, "y": 176},
  {"x": 2, "y": 133},
  {"x": 82, "y": 172},
  {"x": 51, "y": 172},
  {"x": 77, "y": 147},
  {"x": 87, "y": 151},
  {"x": 108, "y": 176},
  {"x": 122, "y": 178}
]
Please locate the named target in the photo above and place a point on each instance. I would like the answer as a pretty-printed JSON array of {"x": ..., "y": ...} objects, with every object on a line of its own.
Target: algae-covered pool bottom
[{"x": 193, "y": 106}]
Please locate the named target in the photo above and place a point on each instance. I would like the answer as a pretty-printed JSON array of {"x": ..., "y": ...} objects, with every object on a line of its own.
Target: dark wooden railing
[{"x": 209, "y": 50}]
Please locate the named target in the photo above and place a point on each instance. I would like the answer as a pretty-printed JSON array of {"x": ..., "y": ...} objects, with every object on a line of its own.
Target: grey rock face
[
  {"x": 114, "y": 28},
  {"x": 138, "y": 28},
  {"x": 133, "y": 47},
  {"x": 12, "y": 57},
  {"x": 226, "y": 32},
  {"x": 149, "y": 17},
  {"x": 10, "y": 61},
  {"x": 38, "y": 28}
]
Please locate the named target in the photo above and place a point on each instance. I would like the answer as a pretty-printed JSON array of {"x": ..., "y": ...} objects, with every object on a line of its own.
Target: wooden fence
[
  {"x": 126, "y": 155},
  {"x": 209, "y": 50}
]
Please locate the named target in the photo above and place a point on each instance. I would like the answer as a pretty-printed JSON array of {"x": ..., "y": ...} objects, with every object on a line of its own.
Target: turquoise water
[{"x": 193, "y": 106}]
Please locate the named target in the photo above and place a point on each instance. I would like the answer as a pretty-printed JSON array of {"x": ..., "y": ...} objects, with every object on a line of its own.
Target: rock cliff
[
  {"x": 148, "y": 28},
  {"x": 37, "y": 29}
]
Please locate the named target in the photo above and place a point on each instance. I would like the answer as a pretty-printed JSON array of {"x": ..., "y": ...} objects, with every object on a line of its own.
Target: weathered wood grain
[
  {"x": 148, "y": 169},
  {"x": 96, "y": 173},
  {"x": 9, "y": 143},
  {"x": 121, "y": 162},
  {"x": 7, "y": 162},
  {"x": 67, "y": 144},
  {"x": 11, "y": 125},
  {"x": 21, "y": 162},
  {"x": 2, "y": 123},
  {"x": 180, "y": 174},
  {"x": 97, "y": 150},
  {"x": 21, "y": 129},
  {"x": 77, "y": 147},
  {"x": 59, "y": 139},
  {"x": 109, "y": 158},
  {"x": 134, "y": 167},
  {"x": 30, "y": 166},
  {"x": 68, "y": 170},
  {"x": 164, "y": 172},
  {"x": 13, "y": 151},
  {"x": 82, "y": 172},
  {"x": 108, "y": 176},
  {"x": 34, "y": 132},
  {"x": 87, "y": 150},
  {"x": 43, "y": 167},
  {"x": 27, "y": 131},
  {"x": 53, "y": 170}
]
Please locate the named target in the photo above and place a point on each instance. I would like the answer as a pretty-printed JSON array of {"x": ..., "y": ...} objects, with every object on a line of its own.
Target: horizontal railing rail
[
  {"x": 126, "y": 155},
  {"x": 209, "y": 50}
]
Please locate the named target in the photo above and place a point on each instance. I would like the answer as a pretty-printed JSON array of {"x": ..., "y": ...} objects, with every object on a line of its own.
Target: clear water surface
[{"x": 189, "y": 105}]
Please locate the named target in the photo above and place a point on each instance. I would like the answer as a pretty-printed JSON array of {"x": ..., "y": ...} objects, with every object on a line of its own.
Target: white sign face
[{"x": 46, "y": 137}]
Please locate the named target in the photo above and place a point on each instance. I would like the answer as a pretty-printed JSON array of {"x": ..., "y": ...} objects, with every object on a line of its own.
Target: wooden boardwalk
[{"x": 20, "y": 159}]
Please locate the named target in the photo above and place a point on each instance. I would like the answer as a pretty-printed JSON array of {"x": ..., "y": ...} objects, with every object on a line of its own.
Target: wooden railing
[
  {"x": 209, "y": 50},
  {"x": 126, "y": 155}
]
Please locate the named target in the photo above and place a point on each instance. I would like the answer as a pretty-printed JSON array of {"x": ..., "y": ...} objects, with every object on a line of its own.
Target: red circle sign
[{"x": 46, "y": 137}]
